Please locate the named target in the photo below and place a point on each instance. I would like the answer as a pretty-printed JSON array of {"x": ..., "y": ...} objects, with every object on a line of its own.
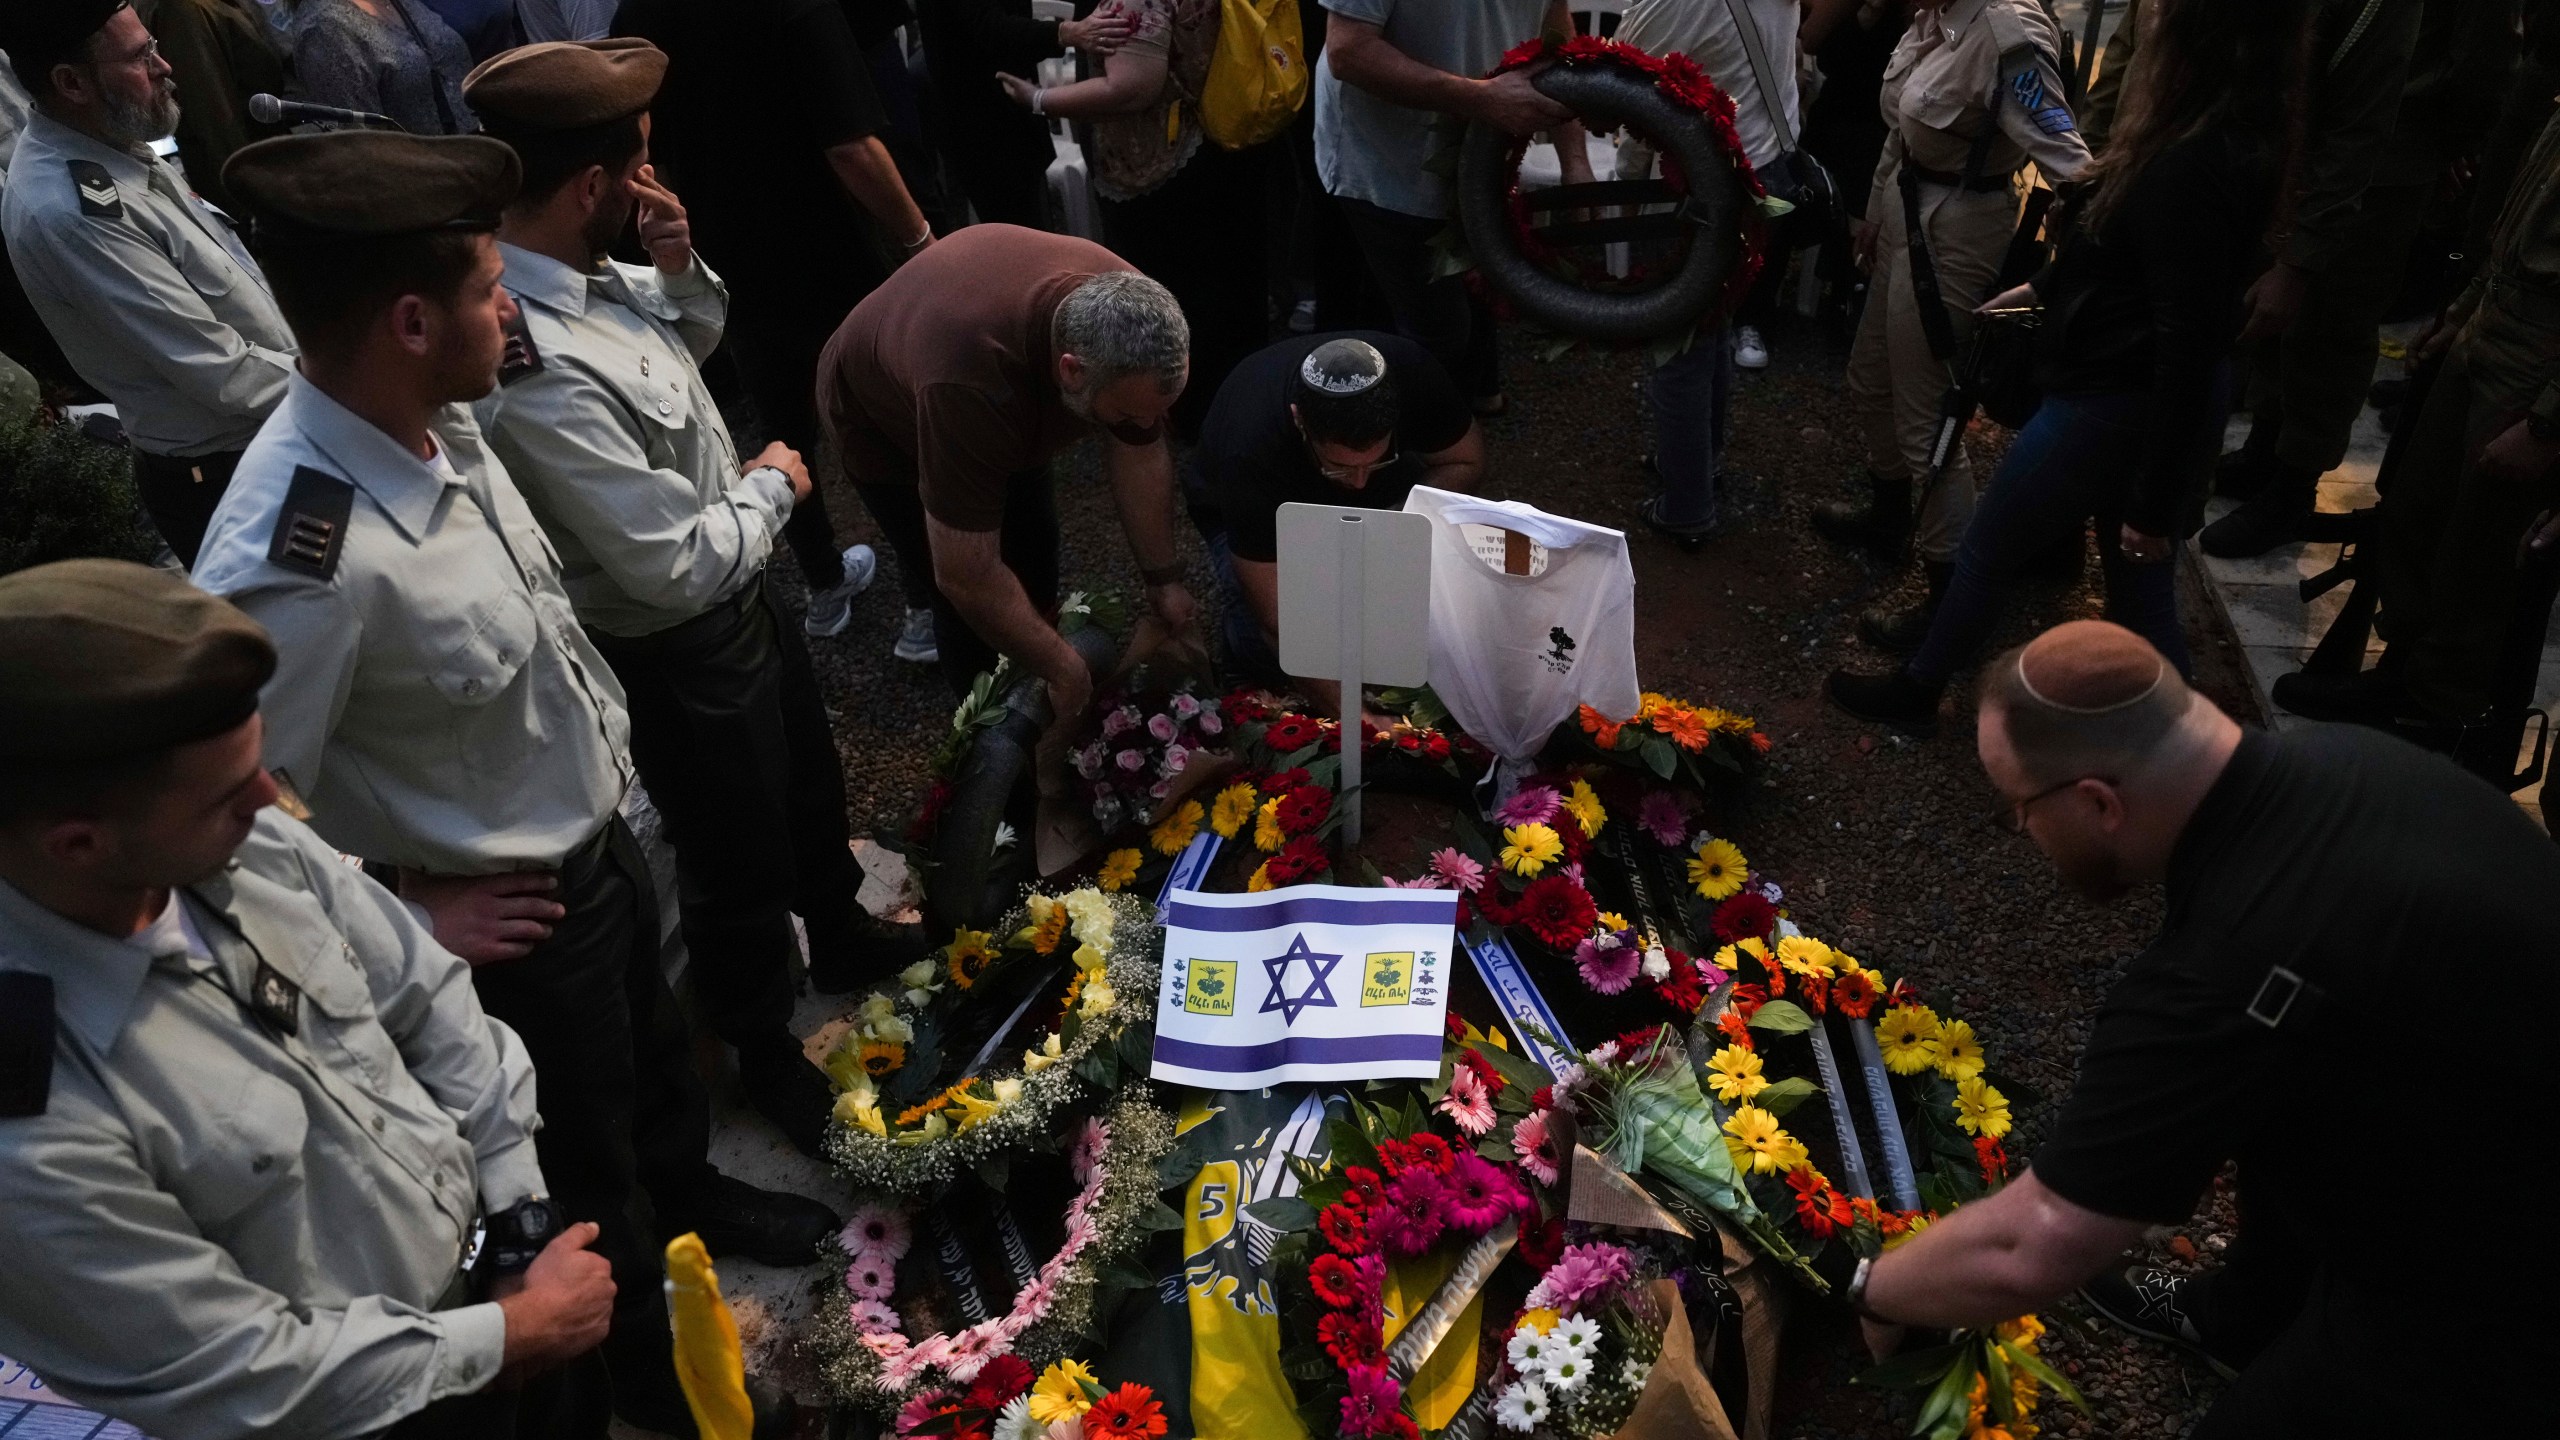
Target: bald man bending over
[{"x": 2333, "y": 894}]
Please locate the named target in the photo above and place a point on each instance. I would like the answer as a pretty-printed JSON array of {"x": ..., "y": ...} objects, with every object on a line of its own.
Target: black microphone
[{"x": 270, "y": 110}]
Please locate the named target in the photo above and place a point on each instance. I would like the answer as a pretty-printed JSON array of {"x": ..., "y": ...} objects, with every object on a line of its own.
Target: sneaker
[
  {"x": 1749, "y": 350},
  {"x": 915, "y": 639},
  {"x": 832, "y": 610},
  {"x": 2146, "y": 1300}
]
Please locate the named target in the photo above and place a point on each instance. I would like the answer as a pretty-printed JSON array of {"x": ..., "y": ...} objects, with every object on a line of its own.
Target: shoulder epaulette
[
  {"x": 98, "y": 197},
  {"x": 26, "y": 1043},
  {"x": 311, "y": 529},
  {"x": 521, "y": 357}
]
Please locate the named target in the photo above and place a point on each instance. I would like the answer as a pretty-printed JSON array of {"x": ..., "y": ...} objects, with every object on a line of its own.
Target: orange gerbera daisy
[
  {"x": 1128, "y": 1413},
  {"x": 1685, "y": 729},
  {"x": 1602, "y": 730}
]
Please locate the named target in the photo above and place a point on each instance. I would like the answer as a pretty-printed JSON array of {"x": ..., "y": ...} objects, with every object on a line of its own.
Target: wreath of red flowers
[{"x": 1679, "y": 79}]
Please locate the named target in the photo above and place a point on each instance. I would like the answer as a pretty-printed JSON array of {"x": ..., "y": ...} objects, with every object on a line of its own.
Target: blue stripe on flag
[
  {"x": 1315, "y": 910},
  {"x": 1295, "y": 1050},
  {"x": 1189, "y": 868},
  {"x": 1520, "y": 1001}
]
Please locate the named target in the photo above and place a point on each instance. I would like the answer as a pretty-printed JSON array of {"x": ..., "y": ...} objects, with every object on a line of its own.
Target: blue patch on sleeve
[
  {"x": 2054, "y": 120},
  {"x": 2049, "y": 113},
  {"x": 2028, "y": 87}
]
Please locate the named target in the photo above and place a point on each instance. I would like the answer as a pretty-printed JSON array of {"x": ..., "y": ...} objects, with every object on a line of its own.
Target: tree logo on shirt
[{"x": 1559, "y": 656}]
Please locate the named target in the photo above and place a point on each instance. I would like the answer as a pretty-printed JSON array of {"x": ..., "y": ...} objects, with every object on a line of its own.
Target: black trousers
[
  {"x": 626, "y": 1123},
  {"x": 1029, "y": 543},
  {"x": 1435, "y": 312},
  {"x": 1202, "y": 235},
  {"x": 733, "y": 742},
  {"x": 776, "y": 329},
  {"x": 180, "y": 492}
]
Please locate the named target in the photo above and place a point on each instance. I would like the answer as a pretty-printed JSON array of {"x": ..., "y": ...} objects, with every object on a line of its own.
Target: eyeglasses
[
  {"x": 2012, "y": 814},
  {"x": 1345, "y": 474},
  {"x": 145, "y": 57}
]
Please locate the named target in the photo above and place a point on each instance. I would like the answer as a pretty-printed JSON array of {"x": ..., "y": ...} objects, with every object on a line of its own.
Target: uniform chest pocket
[
  {"x": 659, "y": 396},
  {"x": 253, "y": 1148},
  {"x": 209, "y": 271},
  {"x": 502, "y": 634},
  {"x": 1936, "y": 105}
]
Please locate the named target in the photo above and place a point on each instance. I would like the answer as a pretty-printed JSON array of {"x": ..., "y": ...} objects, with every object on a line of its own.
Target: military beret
[
  {"x": 39, "y": 34},
  {"x": 565, "y": 85},
  {"x": 367, "y": 184},
  {"x": 101, "y": 659}
]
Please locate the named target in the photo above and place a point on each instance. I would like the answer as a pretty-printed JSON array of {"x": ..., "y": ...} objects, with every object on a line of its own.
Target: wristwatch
[
  {"x": 1857, "y": 1291},
  {"x": 517, "y": 1234}
]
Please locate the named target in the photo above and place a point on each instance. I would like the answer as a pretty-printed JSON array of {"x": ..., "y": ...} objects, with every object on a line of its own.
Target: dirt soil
[{"x": 1882, "y": 843}]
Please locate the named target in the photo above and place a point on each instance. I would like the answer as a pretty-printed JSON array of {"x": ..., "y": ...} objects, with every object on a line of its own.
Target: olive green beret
[
  {"x": 40, "y": 34},
  {"x": 101, "y": 659},
  {"x": 565, "y": 85},
  {"x": 367, "y": 184}
]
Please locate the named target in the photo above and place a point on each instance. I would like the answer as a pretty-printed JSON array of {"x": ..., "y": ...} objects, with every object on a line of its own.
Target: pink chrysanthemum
[
  {"x": 1535, "y": 1147},
  {"x": 1413, "y": 1215},
  {"x": 1530, "y": 805},
  {"x": 1661, "y": 815},
  {"x": 1459, "y": 869},
  {"x": 1480, "y": 1195},
  {"x": 1608, "y": 965},
  {"x": 1583, "y": 1279},
  {"x": 1468, "y": 1102}
]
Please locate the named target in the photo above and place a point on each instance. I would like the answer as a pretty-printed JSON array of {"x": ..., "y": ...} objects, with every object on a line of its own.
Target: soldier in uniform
[
  {"x": 438, "y": 704},
  {"x": 1974, "y": 85},
  {"x": 664, "y": 536},
  {"x": 147, "y": 290},
  {"x": 251, "y": 1115},
  {"x": 2479, "y": 468}
]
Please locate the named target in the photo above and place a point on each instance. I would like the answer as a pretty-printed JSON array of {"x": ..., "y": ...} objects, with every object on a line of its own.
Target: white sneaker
[
  {"x": 915, "y": 639},
  {"x": 1749, "y": 350},
  {"x": 831, "y": 610}
]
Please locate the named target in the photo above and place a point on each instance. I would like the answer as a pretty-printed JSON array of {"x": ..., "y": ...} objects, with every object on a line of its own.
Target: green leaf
[
  {"x": 1912, "y": 1370},
  {"x": 1138, "y": 1047},
  {"x": 1283, "y": 1212},
  {"x": 1660, "y": 756},
  {"x": 1325, "y": 770},
  {"x": 1997, "y": 1401},
  {"x": 1785, "y": 1095},
  {"x": 1100, "y": 1068},
  {"x": 1782, "y": 1017},
  {"x": 994, "y": 1171},
  {"x": 1159, "y": 1216},
  {"x": 2045, "y": 1374},
  {"x": 1943, "y": 1414}
]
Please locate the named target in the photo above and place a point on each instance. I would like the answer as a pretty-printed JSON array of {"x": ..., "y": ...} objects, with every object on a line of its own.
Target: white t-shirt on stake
[{"x": 1513, "y": 655}]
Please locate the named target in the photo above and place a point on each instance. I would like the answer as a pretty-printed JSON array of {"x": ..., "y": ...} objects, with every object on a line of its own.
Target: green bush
[{"x": 64, "y": 496}]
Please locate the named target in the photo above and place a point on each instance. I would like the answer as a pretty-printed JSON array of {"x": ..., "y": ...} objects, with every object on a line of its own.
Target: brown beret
[
  {"x": 2091, "y": 666},
  {"x": 104, "y": 658},
  {"x": 367, "y": 184},
  {"x": 565, "y": 84},
  {"x": 40, "y": 34}
]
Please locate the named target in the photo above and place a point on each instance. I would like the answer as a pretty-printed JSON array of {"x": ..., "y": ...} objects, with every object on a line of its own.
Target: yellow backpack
[{"x": 1258, "y": 74}]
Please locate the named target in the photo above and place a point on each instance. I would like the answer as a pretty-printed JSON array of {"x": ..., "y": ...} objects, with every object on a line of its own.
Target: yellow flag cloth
[
  {"x": 1237, "y": 1390},
  {"x": 708, "y": 1363},
  {"x": 1440, "y": 1387}
]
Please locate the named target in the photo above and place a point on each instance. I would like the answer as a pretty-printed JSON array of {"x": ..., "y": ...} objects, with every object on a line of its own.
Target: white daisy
[
  {"x": 1581, "y": 1334},
  {"x": 1529, "y": 1351},
  {"x": 1522, "y": 1407},
  {"x": 1634, "y": 1372},
  {"x": 1014, "y": 1421},
  {"x": 1567, "y": 1369}
]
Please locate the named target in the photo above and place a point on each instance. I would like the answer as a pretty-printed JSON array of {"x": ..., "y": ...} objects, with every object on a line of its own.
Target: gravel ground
[{"x": 1882, "y": 842}]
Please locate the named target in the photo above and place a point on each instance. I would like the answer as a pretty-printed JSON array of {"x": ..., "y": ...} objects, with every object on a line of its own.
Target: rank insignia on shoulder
[
  {"x": 311, "y": 530},
  {"x": 26, "y": 1043},
  {"x": 98, "y": 197},
  {"x": 521, "y": 357},
  {"x": 277, "y": 1000}
]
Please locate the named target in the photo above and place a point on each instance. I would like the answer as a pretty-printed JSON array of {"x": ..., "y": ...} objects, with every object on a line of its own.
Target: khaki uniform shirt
[
  {"x": 2510, "y": 313},
  {"x": 150, "y": 294},
  {"x": 606, "y": 425},
  {"x": 434, "y": 699},
  {"x": 1939, "y": 87},
  {"x": 219, "y": 1229}
]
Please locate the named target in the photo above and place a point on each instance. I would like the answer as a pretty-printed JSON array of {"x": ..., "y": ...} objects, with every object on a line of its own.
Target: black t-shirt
[
  {"x": 2426, "y": 907},
  {"x": 1252, "y": 460},
  {"x": 756, "y": 93}
]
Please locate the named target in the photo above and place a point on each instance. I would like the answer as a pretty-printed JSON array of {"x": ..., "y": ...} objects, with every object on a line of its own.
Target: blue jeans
[
  {"x": 2075, "y": 460},
  {"x": 1692, "y": 393}
]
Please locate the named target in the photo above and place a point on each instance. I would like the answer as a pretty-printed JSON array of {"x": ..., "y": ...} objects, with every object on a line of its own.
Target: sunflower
[
  {"x": 967, "y": 957},
  {"x": 1955, "y": 1052},
  {"x": 1267, "y": 834},
  {"x": 1735, "y": 1075},
  {"x": 1905, "y": 1034},
  {"x": 1048, "y": 927},
  {"x": 880, "y": 1058},
  {"x": 1806, "y": 956},
  {"x": 1584, "y": 805},
  {"x": 1175, "y": 830},
  {"x": 1065, "y": 1391},
  {"x": 1980, "y": 1107},
  {"x": 1233, "y": 810},
  {"x": 1528, "y": 849},
  {"x": 1118, "y": 869},
  {"x": 1717, "y": 869},
  {"x": 1757, "y": 1142}
]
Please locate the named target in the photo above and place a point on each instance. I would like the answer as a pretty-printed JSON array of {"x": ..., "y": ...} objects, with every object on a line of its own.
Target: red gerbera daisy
[
  {"x": 1680, "y": 989},
  {"x": 1345, "y": 1228},
  {"x": 999, "y": 1381},
  {"x": 1430, "y": 1150},
  {"x": 1746, "y": 916},
  {"x": 1128, "y": 1413},
  {"x": 1349, "y": 1339},
  {"x": 1542, "y": 1244},
  {"x": 1303, "y": 809},
  {"x": 1993, "y": 1159},
  {"x": 1855, "y": 994},
  {"x": 1296, "y": 861},
  {"x": 1474, "y": 1060},
  {"x": 1747, "y": 1000},
  {"x": 1557, "y": 911},
  {"x": 1291, "y": 733},
  {"x": 1736, "y": 1026},
  {"x": 1362, "y": 1187},
  {"x": 1336, "y": 1281}
]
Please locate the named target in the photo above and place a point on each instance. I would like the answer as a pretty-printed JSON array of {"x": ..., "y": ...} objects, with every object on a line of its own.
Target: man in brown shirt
[{"x": 948, "y": 389}]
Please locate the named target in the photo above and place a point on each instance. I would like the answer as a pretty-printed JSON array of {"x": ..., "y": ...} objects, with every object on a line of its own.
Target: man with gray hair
[
  {"x": 2316, "y": 880},
  {"x": 947, "y": 391}
]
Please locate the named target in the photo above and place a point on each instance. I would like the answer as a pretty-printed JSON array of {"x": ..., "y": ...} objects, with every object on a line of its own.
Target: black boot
[
  {"x": 2244, "y": 472},
  {"x": 789, "y": 1091},
  {"x": 871, "y": 951},
  {"x": 1882, "y": 526},
  {"x": 2368, "y": 697},
  {"x": 1895, "y": 699},
  {"x": 1902, "y": 632},
  {"x": 2275, "y": 517},
  {"x": 770, "y": 1227}
]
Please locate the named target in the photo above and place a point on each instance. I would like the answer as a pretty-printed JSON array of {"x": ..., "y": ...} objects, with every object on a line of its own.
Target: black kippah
[{"x": 40, "y": 34}]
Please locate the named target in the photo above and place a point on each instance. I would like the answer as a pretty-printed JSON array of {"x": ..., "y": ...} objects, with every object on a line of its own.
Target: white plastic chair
[{"x": 1070, "y": 184}]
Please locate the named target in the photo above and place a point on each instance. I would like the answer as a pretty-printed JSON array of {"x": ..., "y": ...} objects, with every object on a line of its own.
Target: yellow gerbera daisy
[
  {"x": 1233, "y": 810},
  {"x": 1612, "y": 920},
  {"x": 1540, "y": 1320},
  {"x": 1268, "y": 837},
  {"x": 1790, "y": 1153},
  {"x": 1064, "y": 1391},
  {"x": 1718, "y": 869},
  {"x": 967, "y": 956},
  {"x": 1981, "y": 1109},
  {"x": 1905, "y": 1034},
  {"x": 1734, "y": 1074},
  {"x": 1176, "y": 829},
  {"x": 1259, "y": 880},
  {"x": 1584, "y": 803},
  {"x": 1955, "y": 1052},
  {"x": 1118, "y": 869},
  {"x": 1805, "y": 955},
  {"x": 1755, "y": 1139},
  {"x": 2025, "y": 1330},
  {"x": 1528, "y": 849}
]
